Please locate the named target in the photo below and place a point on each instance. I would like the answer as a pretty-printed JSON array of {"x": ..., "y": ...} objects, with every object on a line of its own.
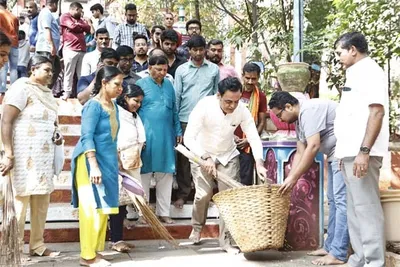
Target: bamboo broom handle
[{"x": 221, "y": 177}]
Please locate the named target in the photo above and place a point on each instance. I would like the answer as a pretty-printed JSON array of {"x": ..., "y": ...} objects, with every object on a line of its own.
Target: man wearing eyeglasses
[
  {"x": 193, "y": 27},
  {"x": 314, "y": 121},
  {"x": 126, "y": 59},
  {"x": 140, "y": 61}
]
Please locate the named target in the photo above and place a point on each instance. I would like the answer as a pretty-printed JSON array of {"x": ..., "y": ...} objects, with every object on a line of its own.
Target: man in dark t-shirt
[{"x": 256, "y": 102}]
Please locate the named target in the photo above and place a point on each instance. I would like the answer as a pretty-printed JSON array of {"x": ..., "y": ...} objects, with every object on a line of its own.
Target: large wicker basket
[{"x": 256, "y": 216}]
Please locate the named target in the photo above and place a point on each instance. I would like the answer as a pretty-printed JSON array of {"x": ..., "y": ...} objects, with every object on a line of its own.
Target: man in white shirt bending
[{"x": 210, "y": 134}]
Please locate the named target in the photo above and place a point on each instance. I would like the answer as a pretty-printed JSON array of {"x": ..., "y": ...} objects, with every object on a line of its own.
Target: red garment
[
  {"x": 261, "y": 108},
  {"x": 72, "y": 31},
  {"x": 9, "y": 26},
  {"x": 179, "y": 39}
]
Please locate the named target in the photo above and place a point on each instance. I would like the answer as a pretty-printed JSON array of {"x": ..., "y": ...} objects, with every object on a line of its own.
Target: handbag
[
  {"x": 59, "y": 156},
  {"x": 130, "y": 157}
]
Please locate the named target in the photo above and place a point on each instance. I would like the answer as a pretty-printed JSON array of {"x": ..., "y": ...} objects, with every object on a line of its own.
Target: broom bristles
[
  {"x": 157, "y": 227},
  {"x": 9, "y": 251}
]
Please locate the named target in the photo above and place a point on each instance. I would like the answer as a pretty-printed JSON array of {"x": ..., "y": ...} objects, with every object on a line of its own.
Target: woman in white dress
[
  {"x": 131, "y": 139},
  {"x": 29, "y": 134}
]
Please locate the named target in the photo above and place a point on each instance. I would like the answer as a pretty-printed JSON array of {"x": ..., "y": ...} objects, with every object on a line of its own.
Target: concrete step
[
  {"x": 57, "y": 232},
  {"x": 64, "y": 212}
]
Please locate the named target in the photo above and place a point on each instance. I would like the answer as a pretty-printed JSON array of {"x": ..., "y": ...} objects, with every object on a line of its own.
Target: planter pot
[
  {"x": 293, "y": 77},
  {"x": 390, "y": 200}
]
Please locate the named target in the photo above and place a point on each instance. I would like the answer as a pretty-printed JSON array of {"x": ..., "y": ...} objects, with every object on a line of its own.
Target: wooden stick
[{"x": 221, "y": 177}]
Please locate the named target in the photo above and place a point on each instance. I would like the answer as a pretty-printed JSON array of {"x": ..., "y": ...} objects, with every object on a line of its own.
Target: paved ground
[{"x": 159, "y": 253}]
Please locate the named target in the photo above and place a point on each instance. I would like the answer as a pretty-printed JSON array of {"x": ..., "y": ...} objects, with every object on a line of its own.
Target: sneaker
[{"x": 195, "y": 237}]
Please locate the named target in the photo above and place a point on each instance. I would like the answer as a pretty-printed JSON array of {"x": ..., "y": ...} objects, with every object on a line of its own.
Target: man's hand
[
  {"x": 242, "y": 143},
  {"x": 179, "y": 139},
  {"x": 209, "y": 167},
  {"x": 262, "y": 172},
  {"x": 53, "y": 50},
  {"x": 287, "y": 185},
  {"x": 360, "y": 167}
]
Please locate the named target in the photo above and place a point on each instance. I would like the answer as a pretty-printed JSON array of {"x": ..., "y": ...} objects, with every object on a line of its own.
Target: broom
[
  {"x": 136, "y": 193},
  {"x": 10, "y": 253},
  {"x": 221, "y": 177}
]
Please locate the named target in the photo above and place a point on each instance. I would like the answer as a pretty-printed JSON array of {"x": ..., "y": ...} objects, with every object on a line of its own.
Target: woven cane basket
[{"x": 256, "y": 216}]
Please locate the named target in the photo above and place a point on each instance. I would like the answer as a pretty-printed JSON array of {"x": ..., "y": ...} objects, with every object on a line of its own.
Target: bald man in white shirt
[{"x": 210, "y": 134}]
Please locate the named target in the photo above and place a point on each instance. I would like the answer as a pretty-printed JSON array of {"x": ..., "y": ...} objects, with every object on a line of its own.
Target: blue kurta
[
  {"x": 99, "y": 131},
  {"x": 161, "y": 124}
]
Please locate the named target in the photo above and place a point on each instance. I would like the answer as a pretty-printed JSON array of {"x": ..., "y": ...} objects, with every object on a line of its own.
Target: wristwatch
[
  {"x": 205, "y": 156},
  {"x": 365, "y": 150}
]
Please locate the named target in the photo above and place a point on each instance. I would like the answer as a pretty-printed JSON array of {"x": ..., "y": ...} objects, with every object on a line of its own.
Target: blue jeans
[
  {"x": 337, "y": 242},
  {"x": 22, "y": 71},
  {"x": 13, "y": 62}
]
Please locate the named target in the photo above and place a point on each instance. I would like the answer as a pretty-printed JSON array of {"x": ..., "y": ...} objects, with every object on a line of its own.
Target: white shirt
[
  {"x": 89, "y": 62},
  {"x": 210, "y": 131},
  {"x": 146, "y": 73},
  {"x": 131, "y": 130},
  {"x": 368, "y": 85}
]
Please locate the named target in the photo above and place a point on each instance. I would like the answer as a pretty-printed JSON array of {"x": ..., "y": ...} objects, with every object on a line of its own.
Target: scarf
[
  {"x": 44, "y": 94},
  {"x": 253, "y": 107}
]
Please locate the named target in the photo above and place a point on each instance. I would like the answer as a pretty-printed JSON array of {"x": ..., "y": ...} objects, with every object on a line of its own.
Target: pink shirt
[
  {"x": 226, "y": 71},
  {"x": 72, "y": 31}
]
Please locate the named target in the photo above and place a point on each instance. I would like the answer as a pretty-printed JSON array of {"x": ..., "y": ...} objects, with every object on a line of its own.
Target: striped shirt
[{"x": 124, "y": 34}]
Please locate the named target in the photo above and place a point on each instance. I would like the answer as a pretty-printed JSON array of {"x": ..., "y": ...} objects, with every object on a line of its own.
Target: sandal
[
  {"x": 121, "y": 246},
  {"x": 96, "y": 262},
  {"x": 166, "y": 219},
  {"x": 46, "y": 253}
]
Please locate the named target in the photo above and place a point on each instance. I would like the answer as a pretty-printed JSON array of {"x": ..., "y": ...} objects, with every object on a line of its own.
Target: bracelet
[{"x": 10, "y": 157}]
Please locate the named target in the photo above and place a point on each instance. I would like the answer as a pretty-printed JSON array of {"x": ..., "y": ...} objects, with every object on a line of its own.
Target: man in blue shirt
[
  {"x": 33, "y": 13},
  {"x": 194, "y": 80}
]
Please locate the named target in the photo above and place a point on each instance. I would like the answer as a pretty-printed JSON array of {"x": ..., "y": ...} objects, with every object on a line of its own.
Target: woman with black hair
[
  {"x": 29, "y": 134},
  {"x": 131, "y": 138},
  {"x": 94, "y": 165}
]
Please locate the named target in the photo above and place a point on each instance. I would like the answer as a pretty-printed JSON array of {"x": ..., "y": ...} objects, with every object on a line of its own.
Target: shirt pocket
[{"x": 168, "y": 102}]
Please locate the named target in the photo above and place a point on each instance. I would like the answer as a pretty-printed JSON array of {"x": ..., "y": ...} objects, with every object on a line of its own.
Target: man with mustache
[
  {"x": 140, "y": 61},
  {"x": 193, "y": 27},
  {"x": 73, "y": 29},
  {"x": 194, "y": 80},
  {"x": 125, "y": 32},
  {"x": 33, "y": 13},
  {"x": 255, "y": 100},
  {"x": 89, "y": 62},
  {"x": 215, "y": 51}
]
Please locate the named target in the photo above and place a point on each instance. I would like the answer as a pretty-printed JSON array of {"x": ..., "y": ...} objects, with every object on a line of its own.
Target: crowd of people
[{"x": 145, "y": 91}]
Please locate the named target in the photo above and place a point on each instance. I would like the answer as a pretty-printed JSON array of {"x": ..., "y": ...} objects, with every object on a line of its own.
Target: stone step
[
  {"x": 64, "y": 212},
  {"x": 57, "y": 232}
]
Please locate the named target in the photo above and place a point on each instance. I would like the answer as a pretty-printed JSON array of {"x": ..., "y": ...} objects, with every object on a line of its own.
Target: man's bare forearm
[
  {"x": 49, "y": 37},
  {"x": 374, "y": 125}
]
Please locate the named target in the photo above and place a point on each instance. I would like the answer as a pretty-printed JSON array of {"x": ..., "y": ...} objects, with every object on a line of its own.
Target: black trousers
[
  {"x": 246, "y": 167},
  {"x": 117, "y": 224},
  {"x": 183, "y": 174}
]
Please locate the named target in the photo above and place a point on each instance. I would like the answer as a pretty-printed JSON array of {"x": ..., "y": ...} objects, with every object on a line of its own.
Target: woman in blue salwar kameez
[{"x": 95, "y": 165}]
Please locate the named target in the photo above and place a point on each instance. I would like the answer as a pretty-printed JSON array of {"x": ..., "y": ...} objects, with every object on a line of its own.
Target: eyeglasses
[
  {"x": 279, "y": 114},
  {"x": 193, "y": 28},
  {"x": 125, "y": 60}
]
